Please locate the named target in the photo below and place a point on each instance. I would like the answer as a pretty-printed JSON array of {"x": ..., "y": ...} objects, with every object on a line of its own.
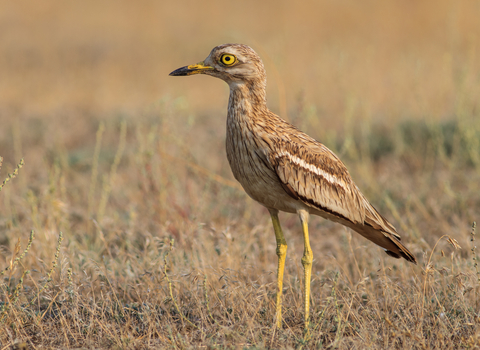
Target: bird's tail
[
  {"x": 386, "y": 240},
  {"x": 378, "y": 230}
]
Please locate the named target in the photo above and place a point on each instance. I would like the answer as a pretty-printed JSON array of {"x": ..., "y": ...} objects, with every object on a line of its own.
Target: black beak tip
[{"x": 179, "y": 72}]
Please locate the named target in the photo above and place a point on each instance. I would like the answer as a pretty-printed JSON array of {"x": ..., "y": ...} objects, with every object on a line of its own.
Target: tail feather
[
  {"x": 386, "y": 240},
  {"x": 370, "y": 224},
  {"x": 378, "y": 230}
]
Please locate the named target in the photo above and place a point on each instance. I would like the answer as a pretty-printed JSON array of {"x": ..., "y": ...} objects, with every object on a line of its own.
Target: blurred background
[
  {"x": 85, "y": 98},
  {"x": 391, "y": 86},
  {"x": 395, "y": 58}
]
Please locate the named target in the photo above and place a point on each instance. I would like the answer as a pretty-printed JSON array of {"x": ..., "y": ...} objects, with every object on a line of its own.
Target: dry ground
[{"x": 142, "y": 239}]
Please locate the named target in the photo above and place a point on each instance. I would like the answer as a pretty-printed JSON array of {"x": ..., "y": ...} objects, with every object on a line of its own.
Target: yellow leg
[
  {"x": 281, "y": 253},
  {"x": 307, "y": 260}
]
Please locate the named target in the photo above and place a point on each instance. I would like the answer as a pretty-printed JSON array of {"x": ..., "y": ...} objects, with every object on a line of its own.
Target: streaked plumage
[{"x": 283, "y": 168}]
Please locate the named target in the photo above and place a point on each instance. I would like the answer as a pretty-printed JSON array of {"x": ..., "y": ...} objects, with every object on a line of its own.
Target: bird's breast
[{"x": 247, "y": 151}]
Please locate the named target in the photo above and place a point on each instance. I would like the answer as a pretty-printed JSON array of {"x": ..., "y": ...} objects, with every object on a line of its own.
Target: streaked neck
[{"x": 247, "y": 99}]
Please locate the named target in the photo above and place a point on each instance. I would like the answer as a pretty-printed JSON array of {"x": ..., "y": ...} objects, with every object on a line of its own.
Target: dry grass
[{"x": 141, "y": 237}]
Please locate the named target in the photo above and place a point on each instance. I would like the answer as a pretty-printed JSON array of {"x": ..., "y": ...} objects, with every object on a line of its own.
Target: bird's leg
[
  {"x": 307, "y": 260},
  {"x": 281, "y": 253}
]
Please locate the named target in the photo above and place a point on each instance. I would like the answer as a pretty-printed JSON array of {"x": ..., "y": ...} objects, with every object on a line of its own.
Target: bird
[{"x": 286, "y": 170}]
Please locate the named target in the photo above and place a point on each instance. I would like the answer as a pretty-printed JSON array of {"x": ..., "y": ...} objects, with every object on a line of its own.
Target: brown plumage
[{"x": 283, "y": 168}]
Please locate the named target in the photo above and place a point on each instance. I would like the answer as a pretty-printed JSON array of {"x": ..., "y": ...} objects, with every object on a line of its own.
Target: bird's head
[{"x": 233, "y": 63}]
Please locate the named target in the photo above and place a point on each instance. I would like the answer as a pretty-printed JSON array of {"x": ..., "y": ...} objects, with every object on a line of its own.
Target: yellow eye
[{"x": 228, "y": 59}]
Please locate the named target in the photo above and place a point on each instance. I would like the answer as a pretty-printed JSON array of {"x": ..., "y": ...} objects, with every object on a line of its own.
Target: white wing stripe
[{"x": 300, "y": 162}]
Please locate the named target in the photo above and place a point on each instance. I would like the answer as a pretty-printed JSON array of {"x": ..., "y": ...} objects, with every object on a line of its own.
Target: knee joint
[
  {"x": 307, "y": 258},
  {"x": 281, "y": 249}
]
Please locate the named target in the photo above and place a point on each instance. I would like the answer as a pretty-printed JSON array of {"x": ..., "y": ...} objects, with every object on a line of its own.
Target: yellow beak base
[{"x": 198, "y": 68}]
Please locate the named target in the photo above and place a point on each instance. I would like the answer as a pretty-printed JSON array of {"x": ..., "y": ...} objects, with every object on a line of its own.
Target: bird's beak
[{"x": 198, "y": 68}]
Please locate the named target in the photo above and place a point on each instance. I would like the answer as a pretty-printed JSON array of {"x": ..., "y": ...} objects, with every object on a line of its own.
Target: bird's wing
[
  {"x": 313, "y": 174},
  {"x": 316, "y": 176}
]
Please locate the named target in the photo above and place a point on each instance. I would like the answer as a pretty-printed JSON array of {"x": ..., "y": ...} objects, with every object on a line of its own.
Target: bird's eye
[{"x": 228, "y": 59}]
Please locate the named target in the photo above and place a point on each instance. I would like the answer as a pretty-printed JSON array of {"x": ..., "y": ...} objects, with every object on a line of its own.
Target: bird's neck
[{"x": 247, "y": 99}]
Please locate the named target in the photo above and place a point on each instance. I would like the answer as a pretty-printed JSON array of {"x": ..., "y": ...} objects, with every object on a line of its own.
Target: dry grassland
[{"x": 142, "y": 238}]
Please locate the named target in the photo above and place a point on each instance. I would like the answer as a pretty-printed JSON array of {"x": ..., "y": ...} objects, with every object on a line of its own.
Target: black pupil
[{"x": 228, "y": 58}]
